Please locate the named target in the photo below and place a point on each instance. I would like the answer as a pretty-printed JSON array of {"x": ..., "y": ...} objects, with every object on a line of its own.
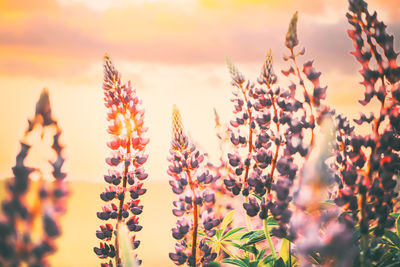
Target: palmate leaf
[
  {"x": 393, "y": 238},
  {"x": 233, "y": 234},
  {"x": 251, "y": 249},
  {"x": 242, "y": 262},
  {"x": 221, "y": 239},
  {"x": 236, "y": 262},
  {"x": 248, "y": 234},
  {"x": 256, "y": 237},
  {"x": 392, "y": 258}
]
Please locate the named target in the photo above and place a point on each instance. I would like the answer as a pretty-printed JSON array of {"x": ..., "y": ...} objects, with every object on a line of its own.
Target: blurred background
[{"x": 174, "y": 52}]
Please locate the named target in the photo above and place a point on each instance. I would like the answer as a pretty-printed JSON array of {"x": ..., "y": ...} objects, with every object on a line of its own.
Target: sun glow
[{"x": 103, "y": 5}]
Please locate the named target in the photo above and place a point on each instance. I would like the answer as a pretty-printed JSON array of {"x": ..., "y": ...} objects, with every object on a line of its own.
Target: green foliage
[{"x": 388, "y": 248}]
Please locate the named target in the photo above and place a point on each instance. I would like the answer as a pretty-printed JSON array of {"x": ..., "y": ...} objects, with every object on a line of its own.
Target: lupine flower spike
[
  {"x": 271, "y": 134},
  {"x": 370, "y": 163},
  {"x": 18, "y": 244},
  {"x": 126, "y": 172},
  {"x": 190, "y": 181}
]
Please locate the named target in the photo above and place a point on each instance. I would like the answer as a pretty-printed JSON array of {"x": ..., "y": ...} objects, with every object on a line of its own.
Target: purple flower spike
[
  {"x": 47, "y": 204},
  {"x": 126, "y": 172},
  {"x": 193, "y": 184}
]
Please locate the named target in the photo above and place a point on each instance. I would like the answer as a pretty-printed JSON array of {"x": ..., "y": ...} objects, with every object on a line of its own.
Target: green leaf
[
  {"x": 393, "y": 238},
  {"x": 214, "y": 264},
  {"x": 284, "y": 252},
  {"x": 255, "y": 238},
  {"x": 398, "y": 226},
  {"x": 271, "y": 221},
  {"x": 247, "y": 235},
  {"x": 261, "y": 254},
  {"x": 251, "y": 249},
  {"x": 388, "y": 258},
  {"x": 217, "y": 248},
  {"x": 279, "y": 263},
  {"x": 227, "y": 220},
  {"x": 233, "y": 231},
  {"x": 268, "y": 259},
  {"x": 235, "y": 262},
  {"x": 386, "y": 242},
  {"x": 395, "y": 214},
  {"x": 237, "y": 246},
  {"x": 258, "y": 197},
  {"x": 236, "y": 236},
  {"x": 218, "y": 234}
]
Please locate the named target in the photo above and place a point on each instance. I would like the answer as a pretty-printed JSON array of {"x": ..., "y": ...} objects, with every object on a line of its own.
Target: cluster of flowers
[
  {"x": 126, "y": 172},
  {"x": 369, "y": 163},
  {"x": 318, "y": 194},
  {"x": 191, "y": 182},
  {"x": 272, "y": 125},
  {"x": 17, "y": 244}
]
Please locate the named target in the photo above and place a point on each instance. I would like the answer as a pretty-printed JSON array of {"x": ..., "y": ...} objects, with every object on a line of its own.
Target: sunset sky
[{"x": 173, "y": 51}]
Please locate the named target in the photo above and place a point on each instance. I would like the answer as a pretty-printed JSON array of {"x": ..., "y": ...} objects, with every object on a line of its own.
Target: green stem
[{"x": 268, "y": 237}]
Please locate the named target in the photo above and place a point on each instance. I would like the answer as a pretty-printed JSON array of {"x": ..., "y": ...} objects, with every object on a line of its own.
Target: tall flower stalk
[
  {"x": 273, "y": 133},
  {"x": 369, "y": 163},
  {"x": 19, "y": 241},
  {"x": 126, "y": 172},
  {"x": 191, "y": 182}
]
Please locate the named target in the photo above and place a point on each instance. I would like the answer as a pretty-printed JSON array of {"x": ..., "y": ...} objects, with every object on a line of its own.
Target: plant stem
[
  {"x": 368, "y": 179},
  {"x": 195, "y": 218},
  {"x": 275, "y": 158},
  {"x": 195, "y": 229},
  {"x": 364, "y": 236},
  {"x": 250, "y": 142},
  {"x": 301, "y": 81},
  {"x": 121, "y": 203},
  {"x": 268, "y": 237}
]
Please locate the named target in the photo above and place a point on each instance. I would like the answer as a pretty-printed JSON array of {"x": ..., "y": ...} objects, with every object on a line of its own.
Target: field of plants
[{"x": 294, "y": 182}]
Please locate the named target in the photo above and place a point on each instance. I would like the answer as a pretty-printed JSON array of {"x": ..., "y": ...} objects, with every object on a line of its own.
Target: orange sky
[{"x": 173, "y": 51}]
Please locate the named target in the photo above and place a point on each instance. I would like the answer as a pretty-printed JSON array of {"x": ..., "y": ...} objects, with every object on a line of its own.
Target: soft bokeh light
[{"x": 174, "y": 52}]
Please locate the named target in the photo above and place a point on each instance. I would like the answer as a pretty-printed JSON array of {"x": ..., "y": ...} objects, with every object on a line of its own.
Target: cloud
[{"x": 57, "y": 39}]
